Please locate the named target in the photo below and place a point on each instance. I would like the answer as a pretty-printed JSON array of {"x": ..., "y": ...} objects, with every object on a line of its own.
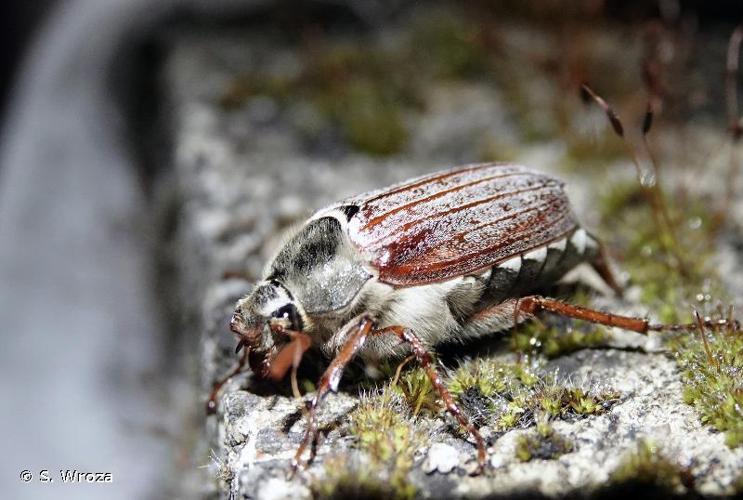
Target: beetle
[{"x": 454, "y": 255}]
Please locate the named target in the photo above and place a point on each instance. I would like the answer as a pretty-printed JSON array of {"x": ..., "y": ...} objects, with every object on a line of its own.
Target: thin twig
[
  {"x": 734, "y": 121},
  {"x": 701, "y": 327}
]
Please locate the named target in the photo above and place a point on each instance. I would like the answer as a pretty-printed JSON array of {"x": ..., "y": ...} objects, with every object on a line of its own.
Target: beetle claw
[{"x": 240, "y": 346}]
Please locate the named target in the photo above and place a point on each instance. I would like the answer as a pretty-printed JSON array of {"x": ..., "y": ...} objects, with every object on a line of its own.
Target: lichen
[{"x": 544, "y": 443}]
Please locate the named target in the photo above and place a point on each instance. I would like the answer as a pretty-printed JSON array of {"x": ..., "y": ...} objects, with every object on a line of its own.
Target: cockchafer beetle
[{"x": 452, "y": 255}]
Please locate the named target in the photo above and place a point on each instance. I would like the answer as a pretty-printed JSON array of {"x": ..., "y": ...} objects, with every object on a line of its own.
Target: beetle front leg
[
  {"x": 424, "y": 358},
  {"x": 356, "y": 332},
  {"x": 211, "y": 403}
]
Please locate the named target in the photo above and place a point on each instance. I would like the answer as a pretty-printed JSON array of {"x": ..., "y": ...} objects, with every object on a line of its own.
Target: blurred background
[{"x": 93, "y": 374}]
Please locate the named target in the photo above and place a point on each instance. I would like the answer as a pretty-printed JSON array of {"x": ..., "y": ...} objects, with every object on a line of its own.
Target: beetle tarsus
[{"x": 211, "y": 403}]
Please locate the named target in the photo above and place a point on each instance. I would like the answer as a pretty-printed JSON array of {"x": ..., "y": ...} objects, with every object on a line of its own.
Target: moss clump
[
  {"x": 712, "y": 370},
  {"x": 449, "y": 45},
  {"x": 542, "y": 444},
  {"x": 553, "y": 341},
  {"x": 366, "y": 90},
  {"x": 491, "y": 377},
  {"x": 342, "y": 479},
  {"x": 569, "y": 403},
  {"x": 387, "y": 434},
  {"x": 416, "y": 389},
  {"x": 672, "y": 267},
  {"x": 647, "y": 466},
  {"x": 509, "y": 395},
  {"x": 349, "y": 88}
]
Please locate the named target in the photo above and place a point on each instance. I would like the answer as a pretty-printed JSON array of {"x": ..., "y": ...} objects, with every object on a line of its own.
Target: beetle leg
[
  {"x": 534, "y": 303},
  {"x": 424, "y": 358},
  {"x": 600, "y": 264},
  {"x": 211, "y": 403},
  {"x": 357, "y": 331}
]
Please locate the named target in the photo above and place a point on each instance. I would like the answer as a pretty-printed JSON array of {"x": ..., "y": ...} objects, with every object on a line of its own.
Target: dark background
[{"x": 20, "y": 20}]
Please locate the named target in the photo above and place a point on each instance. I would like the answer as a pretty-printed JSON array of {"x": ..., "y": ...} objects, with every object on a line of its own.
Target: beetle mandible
[{"x": 452, "y": 255}]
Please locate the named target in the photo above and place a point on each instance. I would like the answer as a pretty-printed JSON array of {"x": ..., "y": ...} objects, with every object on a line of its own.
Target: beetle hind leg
[
  {"x": 600, "y": 264},
  {"x": 534, "y": 303}
]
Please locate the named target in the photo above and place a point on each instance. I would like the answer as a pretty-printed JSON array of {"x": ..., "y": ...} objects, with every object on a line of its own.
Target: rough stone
[
  {"x": 242, "y": 182},
  {"x": 441, "y": 458}
]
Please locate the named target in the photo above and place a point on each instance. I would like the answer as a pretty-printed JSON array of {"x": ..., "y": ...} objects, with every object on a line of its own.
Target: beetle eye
[{"x": 289, "y": 311}]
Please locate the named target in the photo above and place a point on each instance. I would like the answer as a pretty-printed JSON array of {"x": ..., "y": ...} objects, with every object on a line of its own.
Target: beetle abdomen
[
  {"x": 458, "y": 222},
  {"x": 530, "y": 271}
]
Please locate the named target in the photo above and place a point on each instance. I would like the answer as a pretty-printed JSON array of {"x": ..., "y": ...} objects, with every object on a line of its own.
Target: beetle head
[{"x": 265, "y": 318}]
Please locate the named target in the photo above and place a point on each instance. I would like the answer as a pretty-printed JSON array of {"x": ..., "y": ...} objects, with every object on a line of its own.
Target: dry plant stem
[
  {"x": 658, "y": 206},
  {"x": 710, "y": 359},
  {"x": 653, "y": 193},
  {"x": 398, "y": 371},
  {"x": 734, "y": 120},
  {"x": 731, "y": 80}
]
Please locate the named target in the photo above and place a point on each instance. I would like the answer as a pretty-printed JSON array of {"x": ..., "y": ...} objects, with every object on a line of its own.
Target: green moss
[
  {"x": 371, "y": 120},
  {"x": 542, "y": 444},
  {"x": 416, "y": 388},
  {"x": 646, "y": 465},
  {"x": 341, "y": 480},
  {"x": 491, "y": 377},
  {"x": 516, "y": 395},
  {"x": 583, "y": 149},
  {"x": 387, "y": 434},
  {"x": 449, "y": 45},
  {"x": 672, "y": 267},
  {"x": 713, "y": 383},
  {"x": 350, "y": 86},
  {"x": 671, "y": 275},
  {"x": 553, "y": 341}
]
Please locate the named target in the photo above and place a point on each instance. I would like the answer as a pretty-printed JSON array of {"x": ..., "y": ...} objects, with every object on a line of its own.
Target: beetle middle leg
[
  {"x": 358, "y": 334},
  {"x": 424, "y": 358}
]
